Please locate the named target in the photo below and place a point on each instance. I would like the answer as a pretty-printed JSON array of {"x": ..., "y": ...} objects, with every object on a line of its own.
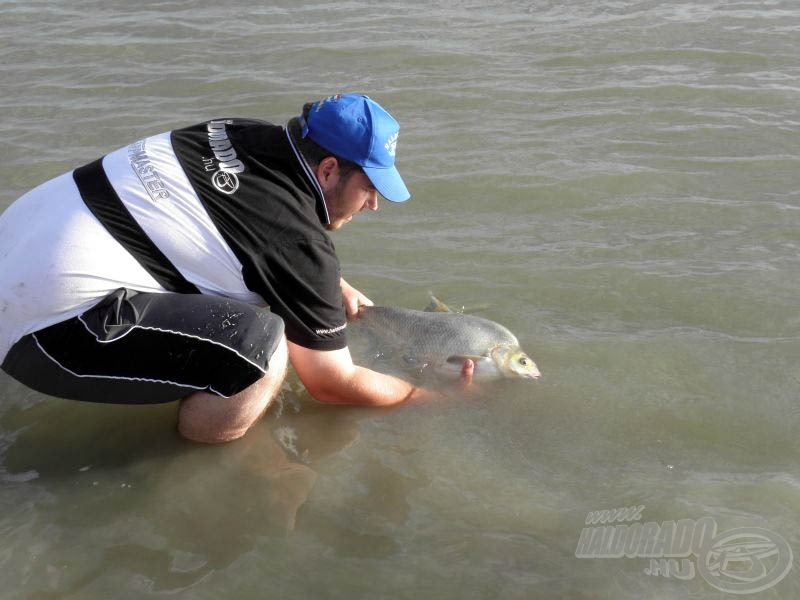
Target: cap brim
[{"x": 388, "y": 183}]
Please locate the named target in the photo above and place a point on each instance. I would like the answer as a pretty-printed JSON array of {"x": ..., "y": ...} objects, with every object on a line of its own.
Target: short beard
[{"x": 334, "y": 199}]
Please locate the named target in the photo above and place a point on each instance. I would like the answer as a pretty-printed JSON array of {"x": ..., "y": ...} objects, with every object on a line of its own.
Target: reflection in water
[{"x": 130, "y": 494}]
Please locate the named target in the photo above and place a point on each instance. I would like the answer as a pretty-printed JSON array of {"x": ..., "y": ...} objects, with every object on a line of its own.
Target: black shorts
[{"x": 141, "y": 348}]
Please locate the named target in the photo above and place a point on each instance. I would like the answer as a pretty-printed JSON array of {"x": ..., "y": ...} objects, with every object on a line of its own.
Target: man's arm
[{"x": 331, "y": 376}]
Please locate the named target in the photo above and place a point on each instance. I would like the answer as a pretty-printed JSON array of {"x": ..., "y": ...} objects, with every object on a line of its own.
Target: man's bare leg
[{"x": 211, "y": 419}]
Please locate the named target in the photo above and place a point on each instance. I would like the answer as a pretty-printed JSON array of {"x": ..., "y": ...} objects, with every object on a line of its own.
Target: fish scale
[
  {"x": 426, "y": 340},
  {"x": 429, "y": 336}
]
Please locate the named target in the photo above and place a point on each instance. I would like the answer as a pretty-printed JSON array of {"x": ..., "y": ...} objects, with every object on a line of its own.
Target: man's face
[{"x": 346, "y": 197}]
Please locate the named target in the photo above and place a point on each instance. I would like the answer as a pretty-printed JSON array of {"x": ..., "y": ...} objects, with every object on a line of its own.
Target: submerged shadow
[{"x": 200, "y": 507}]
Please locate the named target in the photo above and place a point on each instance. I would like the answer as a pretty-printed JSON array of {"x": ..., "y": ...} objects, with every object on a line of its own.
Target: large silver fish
[{"x": 438, "y": 341}]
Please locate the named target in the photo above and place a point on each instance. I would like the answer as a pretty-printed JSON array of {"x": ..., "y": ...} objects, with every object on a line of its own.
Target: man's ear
[{"x": 327, "y": 172}]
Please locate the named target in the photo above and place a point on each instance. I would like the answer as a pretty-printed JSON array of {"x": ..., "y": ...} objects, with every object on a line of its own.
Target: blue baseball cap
[{"x": 358, "y": 129}]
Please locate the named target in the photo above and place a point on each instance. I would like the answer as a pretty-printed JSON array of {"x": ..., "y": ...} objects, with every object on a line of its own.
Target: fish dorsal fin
[{"x": 437, "y": 305}]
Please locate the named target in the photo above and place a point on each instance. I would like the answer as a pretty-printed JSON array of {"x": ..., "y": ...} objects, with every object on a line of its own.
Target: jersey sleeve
[{"x": 300, "y": 281}]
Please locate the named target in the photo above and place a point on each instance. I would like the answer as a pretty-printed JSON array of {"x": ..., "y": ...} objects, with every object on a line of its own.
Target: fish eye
[{"x": 523, "y": 361}]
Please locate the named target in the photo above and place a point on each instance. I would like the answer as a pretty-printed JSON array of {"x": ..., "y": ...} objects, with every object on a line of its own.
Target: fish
[{"x": 437, "y": 341}]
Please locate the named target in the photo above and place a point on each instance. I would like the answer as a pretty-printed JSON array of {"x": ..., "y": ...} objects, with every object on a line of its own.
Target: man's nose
[{"x": 372, "y": 201}]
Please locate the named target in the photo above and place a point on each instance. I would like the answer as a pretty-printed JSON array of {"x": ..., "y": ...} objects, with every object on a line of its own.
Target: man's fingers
[
  {"x": 467, "y": 369},
  {"x": 353, "y": 300}
]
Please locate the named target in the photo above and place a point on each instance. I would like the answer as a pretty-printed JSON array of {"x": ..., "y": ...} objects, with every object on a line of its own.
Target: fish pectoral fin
[{"x": 457, "y": 359}]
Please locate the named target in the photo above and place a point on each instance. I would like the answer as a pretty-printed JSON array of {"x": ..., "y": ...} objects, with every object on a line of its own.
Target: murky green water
[{"x": 616, "y": 181}]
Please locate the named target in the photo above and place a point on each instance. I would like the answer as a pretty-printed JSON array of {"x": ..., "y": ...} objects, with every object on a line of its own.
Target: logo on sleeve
[
  {"x": 146, "y": 171},
  {"x": 225, "y": 163}
]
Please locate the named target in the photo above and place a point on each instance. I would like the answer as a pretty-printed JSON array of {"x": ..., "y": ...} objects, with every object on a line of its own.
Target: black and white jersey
[{"x": 226, "y": 207}]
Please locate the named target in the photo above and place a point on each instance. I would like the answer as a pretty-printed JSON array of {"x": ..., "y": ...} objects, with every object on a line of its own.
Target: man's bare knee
[{"x": 208, "y": 418}]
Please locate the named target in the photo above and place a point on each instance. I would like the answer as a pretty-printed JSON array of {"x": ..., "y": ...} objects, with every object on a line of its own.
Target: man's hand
[{"x": 352, "y": 299}]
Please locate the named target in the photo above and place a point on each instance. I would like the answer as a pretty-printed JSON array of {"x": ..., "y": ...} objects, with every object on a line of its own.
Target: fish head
[{"x": 513, "y": 362}]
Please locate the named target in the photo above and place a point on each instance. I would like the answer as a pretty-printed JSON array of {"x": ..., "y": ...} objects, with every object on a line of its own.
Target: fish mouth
[{"x": 533, "y": 375}]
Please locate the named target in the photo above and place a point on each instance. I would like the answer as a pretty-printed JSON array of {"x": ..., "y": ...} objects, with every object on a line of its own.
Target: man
[{"x": 194, "y": 264}]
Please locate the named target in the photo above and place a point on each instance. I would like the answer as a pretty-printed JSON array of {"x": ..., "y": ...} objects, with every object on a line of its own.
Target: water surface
[{"x": 616, "y": 182}]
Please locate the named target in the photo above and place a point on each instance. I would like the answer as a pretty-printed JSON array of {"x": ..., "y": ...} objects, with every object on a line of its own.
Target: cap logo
[
  {"x": 322, "y": 102},
  {"x": 391, "y": 144}
]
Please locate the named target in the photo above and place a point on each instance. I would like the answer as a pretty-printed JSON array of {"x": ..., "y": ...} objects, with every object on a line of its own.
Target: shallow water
[{"x": 616, "y": 181}]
